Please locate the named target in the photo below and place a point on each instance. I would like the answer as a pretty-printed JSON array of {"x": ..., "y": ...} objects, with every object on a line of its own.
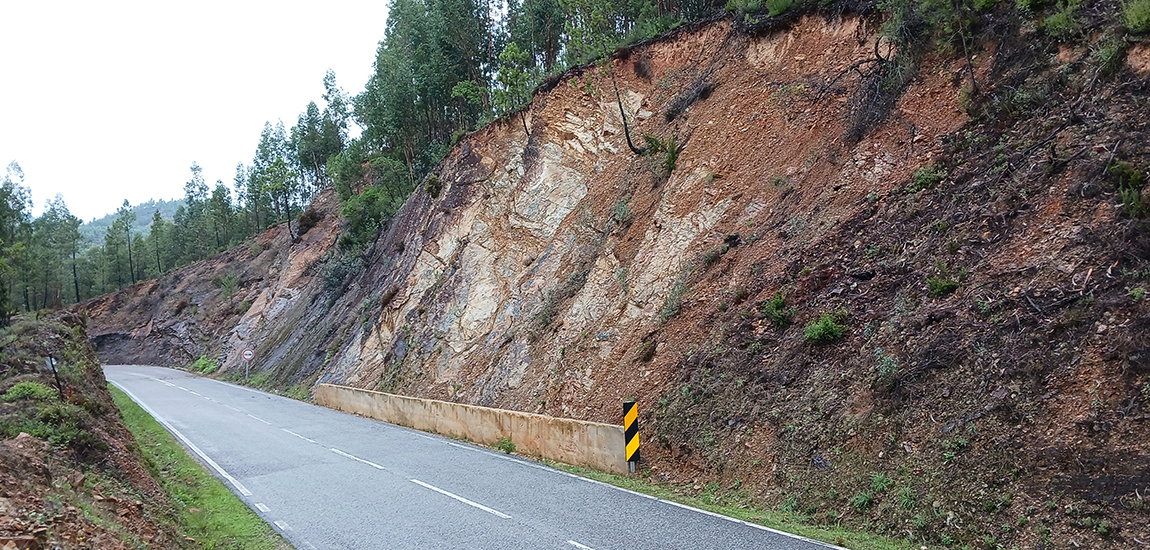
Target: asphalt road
[{"x": 329, "y": 480}]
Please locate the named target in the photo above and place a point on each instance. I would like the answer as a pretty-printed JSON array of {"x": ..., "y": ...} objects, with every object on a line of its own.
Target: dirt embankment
[
  {"x": 909, "y": 304},
  {"x": 70, "y": 473}
]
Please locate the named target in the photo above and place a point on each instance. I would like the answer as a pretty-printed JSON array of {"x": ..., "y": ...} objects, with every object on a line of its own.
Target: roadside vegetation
[
  {"x": 207, "y": 511},
  {"x": 734, "y": 501}
]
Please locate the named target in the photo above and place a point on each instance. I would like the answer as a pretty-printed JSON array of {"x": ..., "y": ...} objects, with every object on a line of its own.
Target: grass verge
[
  {"x": 735, "y": 507},
  {"x": 208, "y": 512}
]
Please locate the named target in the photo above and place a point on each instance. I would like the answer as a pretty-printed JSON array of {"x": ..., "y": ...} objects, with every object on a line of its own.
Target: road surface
[{"x": 329, "y": 480}]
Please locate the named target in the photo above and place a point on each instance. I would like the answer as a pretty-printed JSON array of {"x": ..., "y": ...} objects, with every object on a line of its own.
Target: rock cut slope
[{"x": 909, "y": 306}]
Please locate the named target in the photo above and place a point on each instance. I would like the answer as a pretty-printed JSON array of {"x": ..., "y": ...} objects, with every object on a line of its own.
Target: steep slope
[
  {"x": 71, "y": 475},
  {"x": 913, "y": 305}
]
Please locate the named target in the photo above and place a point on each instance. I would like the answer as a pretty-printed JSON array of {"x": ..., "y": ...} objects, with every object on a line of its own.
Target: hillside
[
  {"x": 900, "y": 293},
  {"x": 73, "y": 476},
  {"x": 93, "y": 231}
]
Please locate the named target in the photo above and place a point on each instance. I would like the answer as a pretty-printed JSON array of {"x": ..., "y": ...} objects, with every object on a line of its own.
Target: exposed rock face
[{"x": 556, "y": 272}]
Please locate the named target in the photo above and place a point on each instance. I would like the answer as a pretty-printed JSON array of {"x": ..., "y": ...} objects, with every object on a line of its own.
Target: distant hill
[{"x": 95, "y": 230}]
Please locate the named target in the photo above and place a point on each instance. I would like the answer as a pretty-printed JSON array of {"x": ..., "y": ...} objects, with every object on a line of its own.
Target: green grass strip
[
  {"x": 207, "y": 510},
  {"x": 736, "y": 505}
]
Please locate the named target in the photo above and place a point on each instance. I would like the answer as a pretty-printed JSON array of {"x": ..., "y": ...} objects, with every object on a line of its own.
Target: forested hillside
[{"x": 95, "y": 230}]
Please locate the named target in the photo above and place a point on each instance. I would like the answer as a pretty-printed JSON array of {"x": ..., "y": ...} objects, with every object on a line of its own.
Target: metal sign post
[{"x": 248, "y": 354}]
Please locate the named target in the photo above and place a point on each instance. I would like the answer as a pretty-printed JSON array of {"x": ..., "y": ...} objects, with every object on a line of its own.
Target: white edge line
[
  {"x": 461, "y": 499},
  {"x": 579, "y": 546},
  {"x": 358, "y": 459},
  {"x": 502, "y": 456},
  {"x": 239, "y": 486}
]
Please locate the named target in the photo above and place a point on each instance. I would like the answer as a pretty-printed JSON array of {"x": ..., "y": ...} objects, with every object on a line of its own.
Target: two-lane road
[{"x": 329, "y": 480}]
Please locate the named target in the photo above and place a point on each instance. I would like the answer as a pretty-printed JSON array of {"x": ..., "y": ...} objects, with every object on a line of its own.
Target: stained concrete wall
[{"x": 591, "y": 444}]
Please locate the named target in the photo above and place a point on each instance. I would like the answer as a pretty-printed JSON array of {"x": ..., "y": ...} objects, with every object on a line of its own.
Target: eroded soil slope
[
  {"x": 913, "y": 305},
  {"x": 70, "y": 473}
]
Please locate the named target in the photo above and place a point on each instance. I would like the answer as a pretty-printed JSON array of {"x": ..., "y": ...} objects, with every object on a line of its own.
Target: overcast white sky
[{"x": 112, "y": 100}]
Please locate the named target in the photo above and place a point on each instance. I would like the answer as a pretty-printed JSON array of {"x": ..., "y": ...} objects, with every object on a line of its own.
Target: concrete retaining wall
[{"x": 592, "y": 444}]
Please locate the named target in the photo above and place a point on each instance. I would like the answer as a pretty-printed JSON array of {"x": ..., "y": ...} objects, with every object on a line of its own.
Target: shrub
[
  {"x": 862, "y": 501},
  {"x": 228, "y": 285},
  {"x": 941, "y": 286},
  {"x": 1136, "y": 14},
  {"x": 337, "y": 271},
  {"x": 879, "y": 482},
  {"x": 668, "y": 146},
  {"x": 823, "y": 331},
  {"x": 777, "y": 312},
  {"x": 29, "y": 390},
  {"x": 204, "y": 365},
  {"x": 926, "y": 178},
  {"x": 506, "y": 445},
  {"x": 1130, "y": 182},
  {"x": 622, "y": 214},
  {"x": 308, "y": 220},
  {"x": 432, "y": 184}
]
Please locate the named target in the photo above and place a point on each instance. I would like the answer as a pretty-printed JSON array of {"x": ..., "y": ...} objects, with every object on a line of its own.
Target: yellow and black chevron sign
[{"x": 631, "y": 430}]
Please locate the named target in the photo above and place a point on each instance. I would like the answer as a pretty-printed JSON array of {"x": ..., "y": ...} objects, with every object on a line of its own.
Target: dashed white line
[
  {"x": 263, "y": 507},
  {"x": 194, "y": 393},
  {"x": 298, "y": 435},
  {"x": 358, "y": 459},
  {"x": 579, "y": 546},
  {"x": 282, "y": 525},
  {"x": 183, "y": 388},
  {"x": 260, "y": 419},
  {"x": 461, "y": 499},
  {"x": 233, "y": 408},
  {"x": 239, "y": 486}
]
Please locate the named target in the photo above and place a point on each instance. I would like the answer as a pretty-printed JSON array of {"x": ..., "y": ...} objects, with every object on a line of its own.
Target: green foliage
[
  {"x": 506, "y": 445},
  {"x": 29, "y": 390},
  {"x": 668, "y": 147},
  {"x": 209, "y": 513},
  {"x": 337, "y": 272},
  {"x": 1108, "y": 54},
  {"x": 622, "y": 213},
  {"x": 880, "y": 482},
  {"x": 944, "y": 282},
  {"x": 1130, "y": 182},
  {"x": 432, "y": 184},
  {"x": 824, "y": 330},
  {"x": 926, "y": 178},
  {"x": 673, "y": 302},
  {"x": 204, "y": 365},
  {"x": 862, "y": 501},
  {"x": 1061, "y": 24},
  {"x": 1136, "y": 15},
  {"x": 777, "y": 312}
]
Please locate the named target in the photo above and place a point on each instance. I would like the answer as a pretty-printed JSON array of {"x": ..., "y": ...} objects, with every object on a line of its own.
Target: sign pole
[{"x": 247, "y": 355}]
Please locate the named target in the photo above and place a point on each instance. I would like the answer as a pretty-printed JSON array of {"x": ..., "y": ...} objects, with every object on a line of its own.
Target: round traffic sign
[{"x": 248, "y": 354}]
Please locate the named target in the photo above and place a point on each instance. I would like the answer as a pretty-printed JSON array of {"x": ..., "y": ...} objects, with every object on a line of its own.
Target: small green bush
[
  {"x": 505, "y": 445},
  {"x": 926, "y": 178},
  {"x": 29, "y": 390},
  {"x": 941, "y": 286},
  {"x": 1136, "y": 14},
  {"x": 879, "y": 482},
  {"x": 204, "y": 365},
  {"x": 862, "y": 501},
  {"x": 777, "y": 312},
  {"x": 1061, "y": 24},
  {"x": 823, "y": 331},
  {"x": 1130, "y": 183}
]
